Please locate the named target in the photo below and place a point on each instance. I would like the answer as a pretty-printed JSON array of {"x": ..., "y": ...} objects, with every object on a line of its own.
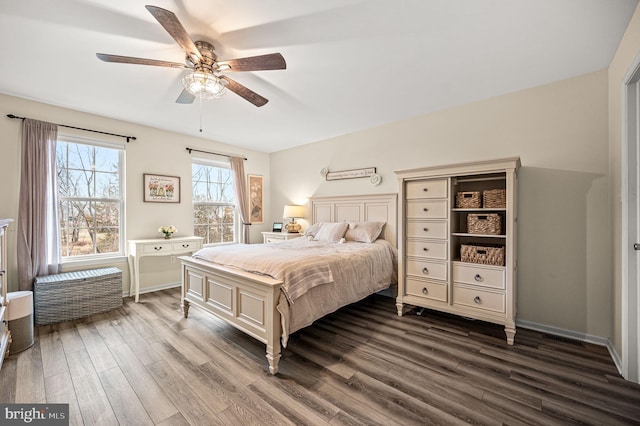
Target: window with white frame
[
  {"x": 215, "y": 216},
  {"x": 90, "y": 198}
]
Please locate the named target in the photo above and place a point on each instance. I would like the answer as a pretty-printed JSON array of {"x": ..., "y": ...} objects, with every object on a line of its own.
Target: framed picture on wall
[
  {"x": 255, "y": 185},
  {"x": 161, "y": 188}
]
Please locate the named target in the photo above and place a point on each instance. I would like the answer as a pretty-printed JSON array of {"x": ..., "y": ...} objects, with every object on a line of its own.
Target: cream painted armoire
[{"x": 457, "y": 240}]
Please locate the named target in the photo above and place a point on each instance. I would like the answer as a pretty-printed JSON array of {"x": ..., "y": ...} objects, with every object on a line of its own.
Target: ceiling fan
[{"x": 206, "y": 80}]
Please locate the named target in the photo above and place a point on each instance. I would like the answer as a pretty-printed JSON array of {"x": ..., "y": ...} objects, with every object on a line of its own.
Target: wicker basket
[
  {"x": 482, "y": 254},
  {"x": 72, "y": 295},
  {"x": 468, "y": 200},
  {"x": 488, "y": 224},
  {"x": 494, "y": 199}
]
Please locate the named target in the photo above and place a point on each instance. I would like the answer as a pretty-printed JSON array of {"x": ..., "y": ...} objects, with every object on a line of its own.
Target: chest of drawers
[{"x": 432, "y": 230}]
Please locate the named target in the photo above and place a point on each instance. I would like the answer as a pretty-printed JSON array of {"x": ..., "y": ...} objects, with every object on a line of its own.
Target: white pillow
[
  {"x": 364, "y": 232},
  {"x": 331, "y": 231},
  {"x": 313, "y": 229}
]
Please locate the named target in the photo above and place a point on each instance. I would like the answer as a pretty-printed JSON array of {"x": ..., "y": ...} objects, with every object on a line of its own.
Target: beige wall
[
  {"x": 154, "y": 151},
  {"x": 560, "y": 133},
  {"x": 628, "y": 51}
]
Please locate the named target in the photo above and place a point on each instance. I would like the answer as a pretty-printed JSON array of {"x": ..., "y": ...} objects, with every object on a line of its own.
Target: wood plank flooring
[{"x": 144, "y": 364}]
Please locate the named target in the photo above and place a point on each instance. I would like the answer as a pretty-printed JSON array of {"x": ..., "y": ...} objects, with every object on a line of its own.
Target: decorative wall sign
[
  {"x": 161, "y": 189},
  {"x": 351, "y": 174},
  {"x": 256, "y": 197}
]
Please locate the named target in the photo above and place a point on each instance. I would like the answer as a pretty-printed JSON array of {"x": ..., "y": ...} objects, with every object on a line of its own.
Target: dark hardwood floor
[{"x": 145, "y": 364}]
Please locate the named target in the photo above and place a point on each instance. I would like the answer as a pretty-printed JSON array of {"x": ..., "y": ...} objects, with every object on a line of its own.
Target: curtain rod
[
  {"x": 81, "y": 128},
  {"x": 214, "y": 153}
]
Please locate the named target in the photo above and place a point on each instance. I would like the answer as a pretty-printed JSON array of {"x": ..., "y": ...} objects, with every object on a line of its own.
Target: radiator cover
[{"x": 72, "y": 295}]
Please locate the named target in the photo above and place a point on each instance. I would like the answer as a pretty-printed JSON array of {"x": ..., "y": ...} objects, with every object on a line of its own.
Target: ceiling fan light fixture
[{"x": 204, "y": 85}]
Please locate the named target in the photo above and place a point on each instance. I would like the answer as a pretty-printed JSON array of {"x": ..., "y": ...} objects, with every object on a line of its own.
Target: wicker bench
[{"x": 72, "y": 295}]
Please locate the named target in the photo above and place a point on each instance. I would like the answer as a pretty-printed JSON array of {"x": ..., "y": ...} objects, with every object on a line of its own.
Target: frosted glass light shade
[{"x": 203, "y": 85}]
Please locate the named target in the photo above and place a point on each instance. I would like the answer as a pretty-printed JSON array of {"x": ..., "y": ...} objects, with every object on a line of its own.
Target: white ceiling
[{"x": 351, "y": 64}]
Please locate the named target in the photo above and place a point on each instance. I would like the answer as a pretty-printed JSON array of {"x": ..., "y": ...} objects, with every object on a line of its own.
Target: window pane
[
  {"x": 107, "y": 185},
  {"x": 214, "y": 212},
  {"x": 80, "y": 183},
  {"x": 106, "y": 159},
  {"x": 75, "y": 220},
  {"x": 88, "y": 174}
]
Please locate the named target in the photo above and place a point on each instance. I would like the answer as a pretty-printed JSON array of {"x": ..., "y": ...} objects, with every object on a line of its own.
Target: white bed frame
[{"x": 248, "y": 301}]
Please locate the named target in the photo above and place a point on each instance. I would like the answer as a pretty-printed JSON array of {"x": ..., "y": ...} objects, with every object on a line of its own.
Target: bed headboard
[{"x": 360, "y": 208}]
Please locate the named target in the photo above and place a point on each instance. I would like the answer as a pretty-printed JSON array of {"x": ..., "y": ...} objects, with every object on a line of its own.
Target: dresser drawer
[
  {"x": 478, "y": 299},
  {"x": 433, "y": 188},
  {"x": 427, "y": 269},
  {"x": 430, "y": 249},
  {"x": 427, "y": 229},
  {"x": 485, "y": 276},
  {"x": 428, "y": 209},
  {"x": 185, "y": 246},
  {"x": 426, "y": 289},
  {"x": 157, "y": 248}
]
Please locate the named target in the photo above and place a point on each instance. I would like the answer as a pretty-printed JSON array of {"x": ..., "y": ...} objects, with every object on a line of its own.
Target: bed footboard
[{"x": 244, "y": 300}]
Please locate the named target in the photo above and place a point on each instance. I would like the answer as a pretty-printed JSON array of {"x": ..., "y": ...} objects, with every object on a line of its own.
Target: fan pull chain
[{"x": 199, "y": 97}]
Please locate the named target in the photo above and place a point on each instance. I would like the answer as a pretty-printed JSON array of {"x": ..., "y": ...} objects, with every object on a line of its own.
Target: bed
[{"x": 269, "y": 304}]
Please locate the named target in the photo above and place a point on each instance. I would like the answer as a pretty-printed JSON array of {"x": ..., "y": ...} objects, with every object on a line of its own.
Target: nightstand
[{"x": 274, "y": 237}]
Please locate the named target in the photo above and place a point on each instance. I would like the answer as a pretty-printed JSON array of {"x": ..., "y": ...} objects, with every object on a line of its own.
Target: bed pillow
[
  {"x": 331, "y": 232},
  {"x": 313, "y": 229},
  {"x": 364, "y": 232}
]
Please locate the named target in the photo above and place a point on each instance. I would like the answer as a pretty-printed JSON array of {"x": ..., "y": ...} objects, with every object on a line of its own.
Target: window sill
[{"x": 75, "y": 263}]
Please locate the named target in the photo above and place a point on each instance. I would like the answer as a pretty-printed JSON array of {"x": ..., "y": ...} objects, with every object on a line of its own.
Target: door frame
[{"x": 630, "y": 187}]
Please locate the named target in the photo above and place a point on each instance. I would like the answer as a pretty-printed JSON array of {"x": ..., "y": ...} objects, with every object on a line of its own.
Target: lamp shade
[{"x": 293, "y": 211}]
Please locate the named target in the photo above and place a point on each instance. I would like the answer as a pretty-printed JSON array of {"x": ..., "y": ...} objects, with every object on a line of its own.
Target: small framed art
[{"x": 161, "y": 188}]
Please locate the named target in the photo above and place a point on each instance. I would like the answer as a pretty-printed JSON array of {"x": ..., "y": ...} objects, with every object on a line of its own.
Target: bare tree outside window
[
  {"x": 89, "y": 199},
  {"x": 214, "y": 211}
]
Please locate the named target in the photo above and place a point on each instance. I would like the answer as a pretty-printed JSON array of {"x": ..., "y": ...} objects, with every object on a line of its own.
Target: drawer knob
[
  {"x": 424, "y": 290},
  {"x": 425, "y": 271},
  {"x": 425, "y": 248},
  {"x": 425, "y": 209},
  {"x": 425, "y": 189},
  {"x": 425, "y": 229},
  {"x": 478, "y": 278},
  {"x": 158, "y": 248},
  {"x": 477, "y": 299}
]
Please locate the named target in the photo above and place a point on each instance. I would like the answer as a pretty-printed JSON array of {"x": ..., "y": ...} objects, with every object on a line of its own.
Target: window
[
  {"x": 90, "y": 200},
  {"x": 215, "y": 215}
]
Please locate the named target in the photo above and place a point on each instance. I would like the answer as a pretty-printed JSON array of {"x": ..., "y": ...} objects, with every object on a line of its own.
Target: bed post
[
  {"x": 273, "y": 330},
  {"x": 184, "y": 303}
]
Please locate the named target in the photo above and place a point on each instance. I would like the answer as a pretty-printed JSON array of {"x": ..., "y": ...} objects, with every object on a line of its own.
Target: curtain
[
  {"x": 237, "y": 167},
  {"x": 38, "y": 234}
]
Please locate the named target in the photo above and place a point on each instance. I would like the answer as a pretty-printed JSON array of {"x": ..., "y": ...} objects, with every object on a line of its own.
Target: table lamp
[{"x": 293, "y": 212}]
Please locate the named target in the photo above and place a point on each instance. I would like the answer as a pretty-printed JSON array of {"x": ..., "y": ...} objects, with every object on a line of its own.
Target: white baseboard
[
  {"x": 154, "y": 288},
  {"x": 582, "y": 337}
]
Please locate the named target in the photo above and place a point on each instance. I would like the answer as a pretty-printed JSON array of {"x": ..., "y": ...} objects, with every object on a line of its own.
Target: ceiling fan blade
[
  {"x": 185, "y": 97},
  {"x": 173, "y": 26},
  {"x": 272, "y": 61},
  {"x": 139, "y": 61},
  {"x": 244, "y": 92}
]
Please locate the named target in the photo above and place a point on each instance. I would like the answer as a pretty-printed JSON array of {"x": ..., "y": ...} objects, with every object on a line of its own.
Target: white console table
[{"x": 156, "y": 247}]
